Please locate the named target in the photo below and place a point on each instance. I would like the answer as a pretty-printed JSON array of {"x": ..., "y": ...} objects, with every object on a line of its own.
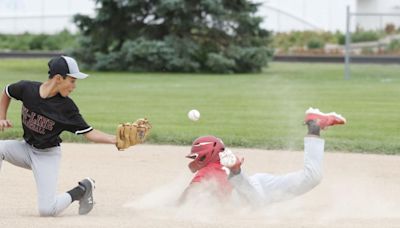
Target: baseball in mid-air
[{"x": 194, "y": 115}]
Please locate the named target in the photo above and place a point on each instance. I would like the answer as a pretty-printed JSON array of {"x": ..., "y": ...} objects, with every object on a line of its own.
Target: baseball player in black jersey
[{"x": 47, "y": 111}]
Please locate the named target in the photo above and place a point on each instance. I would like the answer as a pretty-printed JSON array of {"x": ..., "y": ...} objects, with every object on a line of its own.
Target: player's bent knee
[
  {"x": 47, "y": 211},
  {"x": 1, "y": 155},
  {"x": 314, "y": 179},
  {"x": 2, "y": 149}
]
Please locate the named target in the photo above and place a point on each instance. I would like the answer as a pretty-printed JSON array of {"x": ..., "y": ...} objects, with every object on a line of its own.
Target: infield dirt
[{"x": 137, "y": 188}]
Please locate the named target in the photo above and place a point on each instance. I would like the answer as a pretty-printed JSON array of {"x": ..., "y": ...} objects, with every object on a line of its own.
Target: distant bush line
[
  {"x": 63, "y": 40},
  {"x": 66, "y": 41}
]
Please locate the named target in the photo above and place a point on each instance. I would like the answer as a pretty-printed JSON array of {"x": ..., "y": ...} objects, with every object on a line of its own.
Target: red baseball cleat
[{"x": 324, "y": 120}]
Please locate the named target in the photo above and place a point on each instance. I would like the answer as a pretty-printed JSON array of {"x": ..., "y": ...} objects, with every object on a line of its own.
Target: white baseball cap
[{"x": 65, "y": 65}]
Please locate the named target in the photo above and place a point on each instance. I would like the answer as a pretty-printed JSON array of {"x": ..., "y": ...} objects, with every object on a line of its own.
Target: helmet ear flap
[{"x": 202, "y": 158}]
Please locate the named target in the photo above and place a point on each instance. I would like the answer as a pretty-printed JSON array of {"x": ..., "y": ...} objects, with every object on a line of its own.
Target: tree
[{"x": 221, "y": 36}]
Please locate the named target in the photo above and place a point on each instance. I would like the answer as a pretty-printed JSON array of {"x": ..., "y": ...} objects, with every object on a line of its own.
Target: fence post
[{"x": 347, "y": 47}]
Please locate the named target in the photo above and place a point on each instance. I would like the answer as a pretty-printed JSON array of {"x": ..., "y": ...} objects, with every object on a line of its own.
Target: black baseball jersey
[{"x": 44, "y": 119}]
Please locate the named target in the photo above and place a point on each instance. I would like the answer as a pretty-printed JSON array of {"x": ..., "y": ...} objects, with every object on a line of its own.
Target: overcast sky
[
  {"x": 17, "y": 16},
  {"x": 37, "y": 7}
]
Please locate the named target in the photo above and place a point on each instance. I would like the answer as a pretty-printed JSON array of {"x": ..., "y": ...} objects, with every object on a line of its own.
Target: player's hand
[
  {"x": 5, "y": 124},
  {"x": 236, "y": 168},
  {"x": 231, "y": 161}
]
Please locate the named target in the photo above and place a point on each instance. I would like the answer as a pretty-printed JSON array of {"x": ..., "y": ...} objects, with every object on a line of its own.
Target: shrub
[
  {"x": 249, "y": 59},
  {"x": 25, "y": 42},
  {"x": 390, "y": 28},
  {"x": 36, "y": 42},
  {"x": 394, "y": 45},
  {"x": 341, "y": 38},
  {"x": 149, "y": 55},
  {"x": 364, "y": 36},
  {"x": 174, "y": 36},
  {"x": 367, "y": 51},
  {"x": 315, "y": 43},
  {"x": 313, "y": 39},
  {"x": 219, "y": 63}
]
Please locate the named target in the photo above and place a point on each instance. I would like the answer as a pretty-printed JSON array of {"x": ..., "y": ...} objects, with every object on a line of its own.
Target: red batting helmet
[{"x": 205, "y": 150}]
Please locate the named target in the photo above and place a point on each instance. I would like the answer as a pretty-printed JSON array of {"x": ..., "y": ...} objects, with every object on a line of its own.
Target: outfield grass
[{"x": 255, "y": 110}]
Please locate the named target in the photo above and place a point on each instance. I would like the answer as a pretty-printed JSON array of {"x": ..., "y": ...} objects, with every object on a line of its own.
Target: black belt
[{"x": 42, "y": 148}]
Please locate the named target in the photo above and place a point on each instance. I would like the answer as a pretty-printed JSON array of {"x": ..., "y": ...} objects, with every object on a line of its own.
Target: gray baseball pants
[{"x": 45, "y": 165}]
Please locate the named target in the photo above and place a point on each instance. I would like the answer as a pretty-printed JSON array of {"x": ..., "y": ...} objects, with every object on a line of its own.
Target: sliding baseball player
[{"x": 211, "y": 159}]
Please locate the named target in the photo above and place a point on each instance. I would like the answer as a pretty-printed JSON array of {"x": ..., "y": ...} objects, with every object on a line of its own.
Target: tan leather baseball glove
[{"x": 130, "y": 134}]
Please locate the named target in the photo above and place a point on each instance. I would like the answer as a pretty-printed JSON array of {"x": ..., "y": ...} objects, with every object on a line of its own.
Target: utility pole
[{"x": 347, "y": 47}]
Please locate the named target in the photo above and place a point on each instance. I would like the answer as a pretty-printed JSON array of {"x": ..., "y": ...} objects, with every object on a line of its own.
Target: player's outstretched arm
[
  {"x": 100, "y": 137},
  {"x": 4, "y": 103}
]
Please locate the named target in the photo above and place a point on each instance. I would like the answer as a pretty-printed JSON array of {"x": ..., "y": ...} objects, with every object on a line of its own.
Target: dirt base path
[{"x": 136, "y": 188}]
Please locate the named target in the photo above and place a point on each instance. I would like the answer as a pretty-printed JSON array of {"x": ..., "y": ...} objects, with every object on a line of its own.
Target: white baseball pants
[{"x": 263, "y": 188}]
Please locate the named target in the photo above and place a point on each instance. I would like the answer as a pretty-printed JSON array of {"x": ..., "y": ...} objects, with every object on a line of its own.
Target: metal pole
[
  {"x": 304, "y": 13},
  {"x": 380, "y": 32},
  {"x": 278, "y": 17},
  {"x": 347, "y": 47},
  {"x": 42, "y": 17},
  {"x": 15, "y": 18}
]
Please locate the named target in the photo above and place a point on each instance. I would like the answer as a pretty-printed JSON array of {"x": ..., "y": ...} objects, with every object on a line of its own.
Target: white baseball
[{"x": 194, "y": 115}]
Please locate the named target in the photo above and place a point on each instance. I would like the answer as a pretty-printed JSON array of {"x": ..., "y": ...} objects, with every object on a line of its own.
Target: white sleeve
[{"x": 8, "y": 93}]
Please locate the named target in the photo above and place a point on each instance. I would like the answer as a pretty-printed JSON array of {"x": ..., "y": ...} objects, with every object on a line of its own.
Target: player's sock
[
  {"x": 313, "y": 128},
  {"x": 77, "y": 193}
]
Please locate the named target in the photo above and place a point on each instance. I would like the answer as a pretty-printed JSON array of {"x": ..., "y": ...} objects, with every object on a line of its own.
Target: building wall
[
  {"x": 377, "y": 6},
  {"x": 41, "y": 16},
  {"x": 328, "y": 15},
  {"x": 49, "y": 16}
]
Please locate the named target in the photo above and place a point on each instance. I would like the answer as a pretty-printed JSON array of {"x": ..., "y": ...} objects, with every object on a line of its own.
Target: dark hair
[{"x": 52, "y": 76}]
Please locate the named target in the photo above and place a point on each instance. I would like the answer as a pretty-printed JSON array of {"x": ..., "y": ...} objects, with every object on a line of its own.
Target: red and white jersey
[{"x": 214, "y": 172}]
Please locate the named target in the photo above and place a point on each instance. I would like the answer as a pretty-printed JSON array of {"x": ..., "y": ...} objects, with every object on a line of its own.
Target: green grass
[{"x": 253, "y": 110}]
